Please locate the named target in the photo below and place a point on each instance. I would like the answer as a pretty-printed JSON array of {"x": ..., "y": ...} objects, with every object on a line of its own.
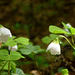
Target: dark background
[{"x": 32, "y": 18}]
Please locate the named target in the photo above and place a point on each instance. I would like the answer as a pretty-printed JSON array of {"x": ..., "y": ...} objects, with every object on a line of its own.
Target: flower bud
[{"x": 54, "y": 48}]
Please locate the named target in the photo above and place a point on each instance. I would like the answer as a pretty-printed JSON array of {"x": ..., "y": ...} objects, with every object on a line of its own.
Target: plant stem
[
  {"x": 67, "y": 41},
  {"x": 8, "y": 67},
  {"x": 3, "y": 66},
  {"x": 36, "y": 63},
  {"x": 72, "y": 39}
]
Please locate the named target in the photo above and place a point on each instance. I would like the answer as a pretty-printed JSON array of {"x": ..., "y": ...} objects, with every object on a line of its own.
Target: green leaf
[
  {"x": 65, "y": 72},
  {"x": 18, "y": 72},
  {"x": 65, "y": 26},
  {"x": 1, "y": 26},
  {"x": 53, "y": 36},
  {"x": 4, "y": 55},
  {"x": 22, "y": 40},
  {"x": 72, "y": 30},
  {"x": 30, "y": 49},
  {"x": 55, "y": 29},
  {"x": 10, "y": 42},
  {"x": 6, "y": 65},
  {"x": 25, "y": 51},
  {"x": 46, "y": 39}
]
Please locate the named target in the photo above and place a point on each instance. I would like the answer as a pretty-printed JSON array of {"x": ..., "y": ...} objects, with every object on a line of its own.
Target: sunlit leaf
[
  {"x": 10, "y": 42},
  {"x": 55, "y": 29},
  {"x": 46, "y": 39},
  {"x": 22, "y": 40},
  {"x": 4, "y": 55},
  {"x": 72, "y": 30}
]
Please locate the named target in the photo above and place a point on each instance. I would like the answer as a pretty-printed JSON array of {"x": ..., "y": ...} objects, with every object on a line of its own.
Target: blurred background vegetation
[{"x": 31, "y": 18}]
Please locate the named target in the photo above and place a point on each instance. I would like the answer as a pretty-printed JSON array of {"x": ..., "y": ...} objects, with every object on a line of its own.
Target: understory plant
[
  {"x": 55, "y": 40},
  {"x": 14, "y": 49},
  {"x": 9, "y": 52}
]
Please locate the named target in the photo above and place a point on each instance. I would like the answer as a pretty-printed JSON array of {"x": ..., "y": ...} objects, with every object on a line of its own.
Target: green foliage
[
  {"x": 60, "y": 69},
  {"x": 43, "y": 63},
  {"x": 17, "y": 26},
  {"x": 65, "y": 26},
  {"x": 4, "y": 73},
  {"x": 4, "y": 55},
  {"x": 18, "y": 72},
  {"x": 55, "y": 29},
  {"x": 72, "y": 30},
  {"x": 46, "y": 39},
  {"x": 22, "y": 40},
  {"x": 6, "y": 65},
  {"x": 30, "y": 49},
  {"x": 53, "y": 36},
  {"x": 65, "y": 72},
  {"x": 11, "y": 42},
  {"x": 1, "y": 26}
]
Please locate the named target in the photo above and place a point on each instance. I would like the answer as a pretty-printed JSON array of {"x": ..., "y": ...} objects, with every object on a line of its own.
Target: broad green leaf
[
  {"x": 65, "y": 72},
  {"x": 4, "y": 55},
  {"x": 55, "y": 29},
  {"x": 53, "y": 36},
  {"x": 22, "y": 40},
  {"x": 72, "y": 30},
  {"x": 46, "y": 39},
  {"x": 25, "y": 51},
  {"x": 19, "y": 71},
  {"x": 10, "y": 42},
  {"x": 30, "y": 49}
]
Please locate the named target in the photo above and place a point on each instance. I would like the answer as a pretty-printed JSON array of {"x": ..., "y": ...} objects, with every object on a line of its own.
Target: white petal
[
  {"x": 50, "y": 46},
  {"x": 54, "y": 48},
  {"x": 14, "y": 48},
  {"x": 5, "y": 31},
  {"x": 68, "y": 25},
  {"x": 4, "y": 34}
]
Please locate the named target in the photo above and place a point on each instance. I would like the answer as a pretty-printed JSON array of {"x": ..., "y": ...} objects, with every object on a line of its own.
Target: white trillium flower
[
  {"x": 4, "y": 34},
  {"x": 54, "y": 48},
  {"x": 14, "y": 48}
]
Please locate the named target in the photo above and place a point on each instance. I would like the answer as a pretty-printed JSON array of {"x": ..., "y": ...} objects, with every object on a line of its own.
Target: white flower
[
  {"x": 68, "y": 27},
  {"x": 54, "y": 48},
  {"x": 67, "y": 30},
  {"x": 14, "y": 48},
  {"x": 4, "y": 34}
]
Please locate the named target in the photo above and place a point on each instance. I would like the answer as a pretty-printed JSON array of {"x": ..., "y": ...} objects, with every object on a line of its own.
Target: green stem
[
  {"x": 8, "y": 67},
  {"x": 36, "y": 62},
  {"x": 3, "y": 66},
  {"x": 67, "y": 41},
  {"x": 9, "y": 64},
  {"x": 72, "y": 39}
]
